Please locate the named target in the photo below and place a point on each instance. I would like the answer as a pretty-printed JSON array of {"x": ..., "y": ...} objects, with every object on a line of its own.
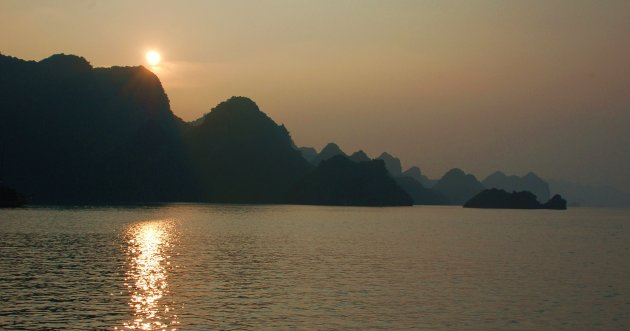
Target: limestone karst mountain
[
  {"x": 330, "y": 150},
  {"x": 530, "y": 182},
  {"x": 458, "y": 187},
  {"x": 341, "y": 181}
]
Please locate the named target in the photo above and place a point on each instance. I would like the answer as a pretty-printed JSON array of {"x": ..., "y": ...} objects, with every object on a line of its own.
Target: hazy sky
[{"x": 481, "y": 85}]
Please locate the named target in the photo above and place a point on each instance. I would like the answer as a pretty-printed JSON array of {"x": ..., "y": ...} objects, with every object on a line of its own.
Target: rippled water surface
[{"x": 198, "y": 267}]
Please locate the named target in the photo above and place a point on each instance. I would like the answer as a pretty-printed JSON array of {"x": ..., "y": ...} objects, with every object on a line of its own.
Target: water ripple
[{"x": 199, "y": 267}]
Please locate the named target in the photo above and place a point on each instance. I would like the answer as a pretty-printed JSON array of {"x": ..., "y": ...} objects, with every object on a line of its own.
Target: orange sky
[{"x": 482, "y": 85}]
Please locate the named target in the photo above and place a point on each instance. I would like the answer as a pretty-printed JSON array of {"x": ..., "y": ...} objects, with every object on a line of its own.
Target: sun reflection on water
[{"x": 147, "y": 276}]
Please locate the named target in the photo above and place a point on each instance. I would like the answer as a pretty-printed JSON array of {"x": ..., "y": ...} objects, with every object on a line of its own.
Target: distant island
[
  {"x": 497, "y": 198},
  {"x": 78, "y": 135},
  {"x": 10, "y": 197}
]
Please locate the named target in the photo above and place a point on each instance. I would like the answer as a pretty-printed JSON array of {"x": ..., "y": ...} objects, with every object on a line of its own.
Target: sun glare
[
  {"x": 147, "y": 277},
  {"x": 153, "y": 58}
]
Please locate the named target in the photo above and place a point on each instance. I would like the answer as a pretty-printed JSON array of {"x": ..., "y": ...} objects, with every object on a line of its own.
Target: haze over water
[{"x": 194, "y": 267}]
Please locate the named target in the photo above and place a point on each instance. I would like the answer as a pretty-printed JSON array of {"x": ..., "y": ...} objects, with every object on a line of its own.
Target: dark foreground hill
[
  {"x": 238, "y": 154},
  {"x": 74, "y": 134}
]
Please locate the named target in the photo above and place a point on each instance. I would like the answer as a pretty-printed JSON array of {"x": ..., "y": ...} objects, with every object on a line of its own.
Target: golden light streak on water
[{"x": 147, "y": 276}]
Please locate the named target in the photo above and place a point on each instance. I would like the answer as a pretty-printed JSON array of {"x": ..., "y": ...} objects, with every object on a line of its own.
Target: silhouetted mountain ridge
[
  {"x": 420, "y": 194},
  {"x": 330, "y": 150},
  {"x": 75, "y": 134},
  {"x": 392, "y": 164},
  {"x": 360, "y": 156},
  {"x": 457, "y": 186},
  {"x": 308, "y": 153},
  {"x": 530, "y": 182},
  {"x": 415, "y": 173},
  {"x": 341, "y": 181}
]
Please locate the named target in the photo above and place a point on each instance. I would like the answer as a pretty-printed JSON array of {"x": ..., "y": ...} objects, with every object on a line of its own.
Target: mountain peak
[
  {"x": 237, "y": 103},
  {"x": 385, "y": 155},
  {"x": 327, "y": 152},
  {"x": 239, "y": 111},
  {"x": 455, "y": 172},
  {"x": 458, "y": 186},
  {"x": 497, "y": 174},
  {"x": 392, "y": 163},
  {"x": 331, "y": 150},
  {"x": 530, "y": 182},
  {"x": 359, "y": 156},
  {"x": 67, "y": 63},
  {"x": 308, "y": 153},
  {"x": 531, "y": 175},
  {"x": 415, "y": 173},
  {"x": 241, "y": 154}
]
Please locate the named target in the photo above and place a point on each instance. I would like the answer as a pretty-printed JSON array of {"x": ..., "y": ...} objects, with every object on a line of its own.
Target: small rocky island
[
  {"x": 501, "y": 199},
  {"x": 10, "y": 198}
]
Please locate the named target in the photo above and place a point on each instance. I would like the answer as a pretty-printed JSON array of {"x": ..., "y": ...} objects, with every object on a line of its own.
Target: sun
[{"x": 153, "y": 58}]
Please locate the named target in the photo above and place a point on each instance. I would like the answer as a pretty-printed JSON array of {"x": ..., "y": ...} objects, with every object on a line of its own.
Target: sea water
[{"x": 199, "y": 267}]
